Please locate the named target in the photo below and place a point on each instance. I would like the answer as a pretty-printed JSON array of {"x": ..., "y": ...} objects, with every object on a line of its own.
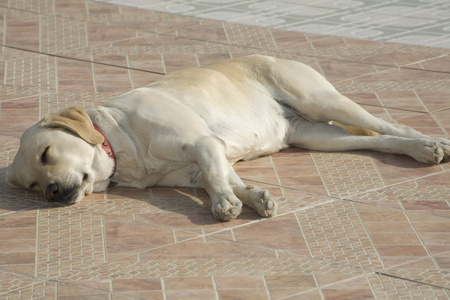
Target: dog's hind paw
[
  {"x": 445, "y": 146},
  {"x": 429, "y": 150}
]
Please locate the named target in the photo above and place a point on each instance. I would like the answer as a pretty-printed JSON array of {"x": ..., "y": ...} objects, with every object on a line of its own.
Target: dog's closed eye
[
  {"x": 44, "y": 155},
  {"x": 32, "y": 186}
]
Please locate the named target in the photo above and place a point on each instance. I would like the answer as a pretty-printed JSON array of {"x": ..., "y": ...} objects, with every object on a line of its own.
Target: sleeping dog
[{"x": 189, "y": 128}]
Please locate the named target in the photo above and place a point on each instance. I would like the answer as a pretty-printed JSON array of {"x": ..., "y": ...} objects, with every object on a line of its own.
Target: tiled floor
[
  {"x": 416, "y": 22},
  {"x": 357, "y": 225}
]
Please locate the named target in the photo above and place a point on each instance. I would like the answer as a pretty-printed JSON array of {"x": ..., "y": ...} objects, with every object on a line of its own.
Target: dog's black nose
[{"x": 53, "y": 192}]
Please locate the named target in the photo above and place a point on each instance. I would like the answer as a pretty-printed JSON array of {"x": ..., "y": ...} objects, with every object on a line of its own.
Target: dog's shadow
[
  {"x": 14, "y": 199},
  {"x": 171, "y": 206},
  {"x": 155, "y": 205}
]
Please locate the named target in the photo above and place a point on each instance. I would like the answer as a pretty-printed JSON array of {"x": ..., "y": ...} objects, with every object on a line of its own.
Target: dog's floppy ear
[{"x": 76, "y": 121}]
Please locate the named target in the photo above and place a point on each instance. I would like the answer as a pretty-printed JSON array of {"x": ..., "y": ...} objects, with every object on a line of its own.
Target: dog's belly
[
  {"x": 253, "y": 141},
  {"x": 252, "y": 133},
  {"x": 236, "y": 108}
]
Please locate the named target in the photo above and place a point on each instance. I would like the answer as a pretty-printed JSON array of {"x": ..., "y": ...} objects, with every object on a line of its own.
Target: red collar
[{"x": 109, "y": 150}]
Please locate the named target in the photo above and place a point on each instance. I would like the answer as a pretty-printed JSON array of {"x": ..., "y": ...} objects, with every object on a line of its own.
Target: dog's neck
[{"x": 106, "y": 145}]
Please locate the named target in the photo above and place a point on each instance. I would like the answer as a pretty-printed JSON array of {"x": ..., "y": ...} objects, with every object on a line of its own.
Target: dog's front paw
[
  {"x": 257, "y": 198},
  {"x": 266, "y": 205},
  {"x": 227, "y": 208}
]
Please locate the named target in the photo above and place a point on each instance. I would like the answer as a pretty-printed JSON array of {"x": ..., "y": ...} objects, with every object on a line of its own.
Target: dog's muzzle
[{"x": 55, "y": 193}]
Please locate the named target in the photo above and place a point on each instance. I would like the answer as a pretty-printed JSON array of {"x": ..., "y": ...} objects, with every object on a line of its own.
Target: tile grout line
[
  {"x": 216, "y": 292},
  {"x": 94, "y": 79},
  {"x": 40, "y": 32},
  {"x": 86, "y": 31},
  {"x": 418, "y": 235},
  {"x": 372, "y": 288},
  {"x": 79, "y": 59},
  {"x": 226, "y": 33},
  {"x": 266, "y": 286},
  {"x": 431, "y": 114},
  {"x": 304, "y": 235},
  {"x": 5, "y": 76},
  {"x": 56, "y": 80},
  {"x": 130, "y": 76},
  {"x": 104, "y": 238},
  {"x": 163, "y": 63},
  {"x": 385, "y": 108},
  {"x": 36, "y": 256},
  {"x": 374, "y": 247},
  {"x": 163, "y": 288},
  {"x": 272, "y": 162},
  {"x": 406, "y": 66},
  {"x": 398, "y": 266},
  {"x": 377, "y": 170},
  {"x": 440, "y": 124},
  {"x": 413, "y": 281},
  {"x": 320, "y": 175},
  {"x": 5, "y": 23},
  {"x": 320, "y": 287}
]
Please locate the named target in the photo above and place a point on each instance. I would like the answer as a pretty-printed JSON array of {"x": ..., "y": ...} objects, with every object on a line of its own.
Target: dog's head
[{"x": 61, "y": 156}]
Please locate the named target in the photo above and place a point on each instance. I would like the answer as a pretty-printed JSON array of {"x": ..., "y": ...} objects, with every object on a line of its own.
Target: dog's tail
[{"x": 355, "y": 130}]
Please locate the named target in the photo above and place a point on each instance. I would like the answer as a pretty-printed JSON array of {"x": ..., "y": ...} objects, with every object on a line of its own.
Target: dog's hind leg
[
  {"x": 332, "y": 106},
  {"x": 325, "y": 137},
  {"x": 308, "y": 94}
]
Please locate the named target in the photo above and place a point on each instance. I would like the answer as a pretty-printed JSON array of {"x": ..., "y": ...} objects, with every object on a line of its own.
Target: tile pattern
[
  {"x": 349, "y": 173},
  {"x": 78, "y": 237},
  {"x": 418, "y": 22},
  {"x": 350, "y": 225}
]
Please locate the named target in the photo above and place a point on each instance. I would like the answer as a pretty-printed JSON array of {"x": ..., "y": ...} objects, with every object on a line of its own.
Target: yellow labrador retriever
[{"x": 189, "y": 128}]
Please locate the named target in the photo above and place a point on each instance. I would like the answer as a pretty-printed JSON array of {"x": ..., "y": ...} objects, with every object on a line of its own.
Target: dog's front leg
[
  {"x": 253, "y": 196},
  {"x": 210, "y": 156}
]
